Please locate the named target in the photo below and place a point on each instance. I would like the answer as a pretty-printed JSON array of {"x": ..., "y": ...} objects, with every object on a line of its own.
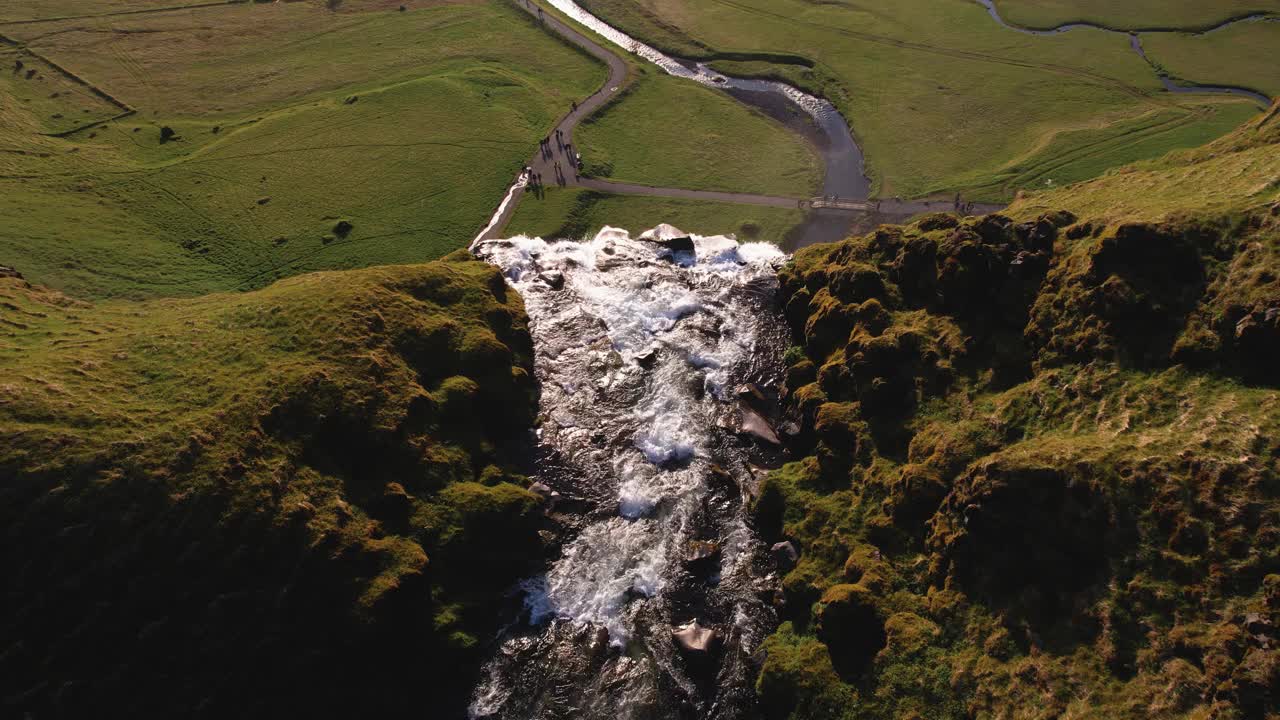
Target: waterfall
[{"x": 643, "y": 346}]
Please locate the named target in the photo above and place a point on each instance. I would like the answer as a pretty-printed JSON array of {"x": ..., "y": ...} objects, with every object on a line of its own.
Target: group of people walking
[{"x": 549, "y": 154}]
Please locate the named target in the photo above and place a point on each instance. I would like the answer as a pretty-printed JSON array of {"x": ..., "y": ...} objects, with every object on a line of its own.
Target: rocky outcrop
[{"x": 1039, "y": 462}]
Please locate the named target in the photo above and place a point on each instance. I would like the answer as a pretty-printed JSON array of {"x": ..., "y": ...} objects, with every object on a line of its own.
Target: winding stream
[
  {"x": 642, "y": 346},
  {"x": 1135, "y": 42},
  {"x": 844, "y": 176}
]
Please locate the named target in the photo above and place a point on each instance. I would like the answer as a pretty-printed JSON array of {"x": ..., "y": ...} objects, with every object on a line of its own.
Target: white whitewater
[{"x": 640, "y": 351}]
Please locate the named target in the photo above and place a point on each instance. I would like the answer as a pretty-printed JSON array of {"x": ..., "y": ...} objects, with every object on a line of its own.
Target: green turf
[
  {"x": 1075, "y": 155},
  {"x": 1236, "y": 173},
  {"x": 1130, "y": 13},
  {"x": 938, "y": 94},
  {"x": 574, "y": 213},
  {"x": 670, "y": 132},
  {"x": 1244, "y": 52},
  {"x": 407, "y": 125}
]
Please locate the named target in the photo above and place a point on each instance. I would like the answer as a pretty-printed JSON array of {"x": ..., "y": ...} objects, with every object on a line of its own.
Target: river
[{"x": 644, "y": 351}]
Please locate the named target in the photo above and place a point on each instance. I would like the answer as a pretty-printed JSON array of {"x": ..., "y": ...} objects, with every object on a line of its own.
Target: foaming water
[{"x": 641, "y": 346}]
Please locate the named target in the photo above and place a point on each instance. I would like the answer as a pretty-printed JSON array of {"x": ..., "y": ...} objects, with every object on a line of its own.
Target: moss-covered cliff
[
  {"x": 1042, "y": 472},
  {"x": 296, "y": 501}
]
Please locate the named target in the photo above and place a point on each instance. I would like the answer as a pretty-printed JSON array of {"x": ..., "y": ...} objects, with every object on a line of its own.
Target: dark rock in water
[
  {"x": 754, "y": 424},
  {"x": 696, "y": 639},
  {"x": 599, "y": 643},
  {"x": 553, "y": 278},
  {"x": 648, "y": 358},
  {"x": 751, "y": 395},
  {"x": 6, "y": 271},
  {"x": 721, "y": 478},
  {"x": 790, "y": 429},
  {"x": 785, "y": 555},
  {"x": 543, "y": 491},
  {"x": 702, "y": 555},
  {"x": 678, "y": 244}
]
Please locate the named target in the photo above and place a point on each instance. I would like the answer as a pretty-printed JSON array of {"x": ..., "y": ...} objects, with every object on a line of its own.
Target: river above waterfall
[{"x": 652, "y": 354}]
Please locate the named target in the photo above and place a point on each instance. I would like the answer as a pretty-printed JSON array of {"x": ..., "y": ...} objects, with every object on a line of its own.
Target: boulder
[
  {"x": 785, "y": 555},
  {"x": 554, "y": 279},
  {"x": 702, "y": 556},
  {"x": 695, "y": 638},
  {"x": 6, "y": 271},
  {"x": 545, "y": 493},
  {"x": 678, "y": 245},
  {"x": 754, "y": 424},
  {"x": 751, "y": 395}
]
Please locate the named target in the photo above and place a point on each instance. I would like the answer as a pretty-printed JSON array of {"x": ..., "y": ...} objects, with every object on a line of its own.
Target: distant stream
[{"x": 1135, "y": 42}]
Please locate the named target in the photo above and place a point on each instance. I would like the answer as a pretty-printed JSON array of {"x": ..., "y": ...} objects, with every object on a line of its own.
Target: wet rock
[
  {"x": 598, "y": 643},
  {"x": 702, "y": 556},
  {"x": 678, "y": 245},
  {"x": 754, "y": 424},
  {"x": 554, "y": 279},
  {"x": 722, "y": 479},
  {"x": 545, "y": 493},
  {"x": 696, "y": 638},
  {"x": 785, "y": 555},
  {"x": 648, "y": 358},
  {"x": 751, "y": 395}
]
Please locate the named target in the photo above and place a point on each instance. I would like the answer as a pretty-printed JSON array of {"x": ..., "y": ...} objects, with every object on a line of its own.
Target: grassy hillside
[
  {"x": 264, "y": 503},
  {"x": 1041, "y": 475},
  {"x": 939, "y": 95},
  {"x": 287, "y": 120},
  {"x": 1130, "y": 14},
  {"x": 670, "y": 132},
  {"x": 1237, "y": 172}
]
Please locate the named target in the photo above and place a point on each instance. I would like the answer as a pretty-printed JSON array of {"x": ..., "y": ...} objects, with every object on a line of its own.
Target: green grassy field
[
  {"x": 1130, "y": 13},
  {"x": 575, "y": 212},
  {"x": 289, "y": 119},
  {"x": 1243, "y": 52},
  {"x": 940, "y": 96},
  {"x": 1238, "y": 172},
  {"x": 669, "y": 132}
]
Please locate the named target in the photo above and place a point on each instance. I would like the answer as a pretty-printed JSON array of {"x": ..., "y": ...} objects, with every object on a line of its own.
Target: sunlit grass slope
[
  {"x": 1240, "y": 171},
  {"x": 304, "y": 139},
  {"x": 670, "y": 132}
]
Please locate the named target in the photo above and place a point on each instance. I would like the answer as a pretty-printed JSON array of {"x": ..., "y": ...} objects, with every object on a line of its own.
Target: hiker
[{"x": 575, "y": 104}]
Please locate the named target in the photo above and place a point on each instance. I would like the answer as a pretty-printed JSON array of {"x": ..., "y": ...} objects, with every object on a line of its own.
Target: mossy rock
[{"x": 852, "y": 626}]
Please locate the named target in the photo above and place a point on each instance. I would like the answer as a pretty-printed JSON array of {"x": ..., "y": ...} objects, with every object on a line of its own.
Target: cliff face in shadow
[
  {"x": 1041, "y": 470},
  {"x": 300, "y": 500}
]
